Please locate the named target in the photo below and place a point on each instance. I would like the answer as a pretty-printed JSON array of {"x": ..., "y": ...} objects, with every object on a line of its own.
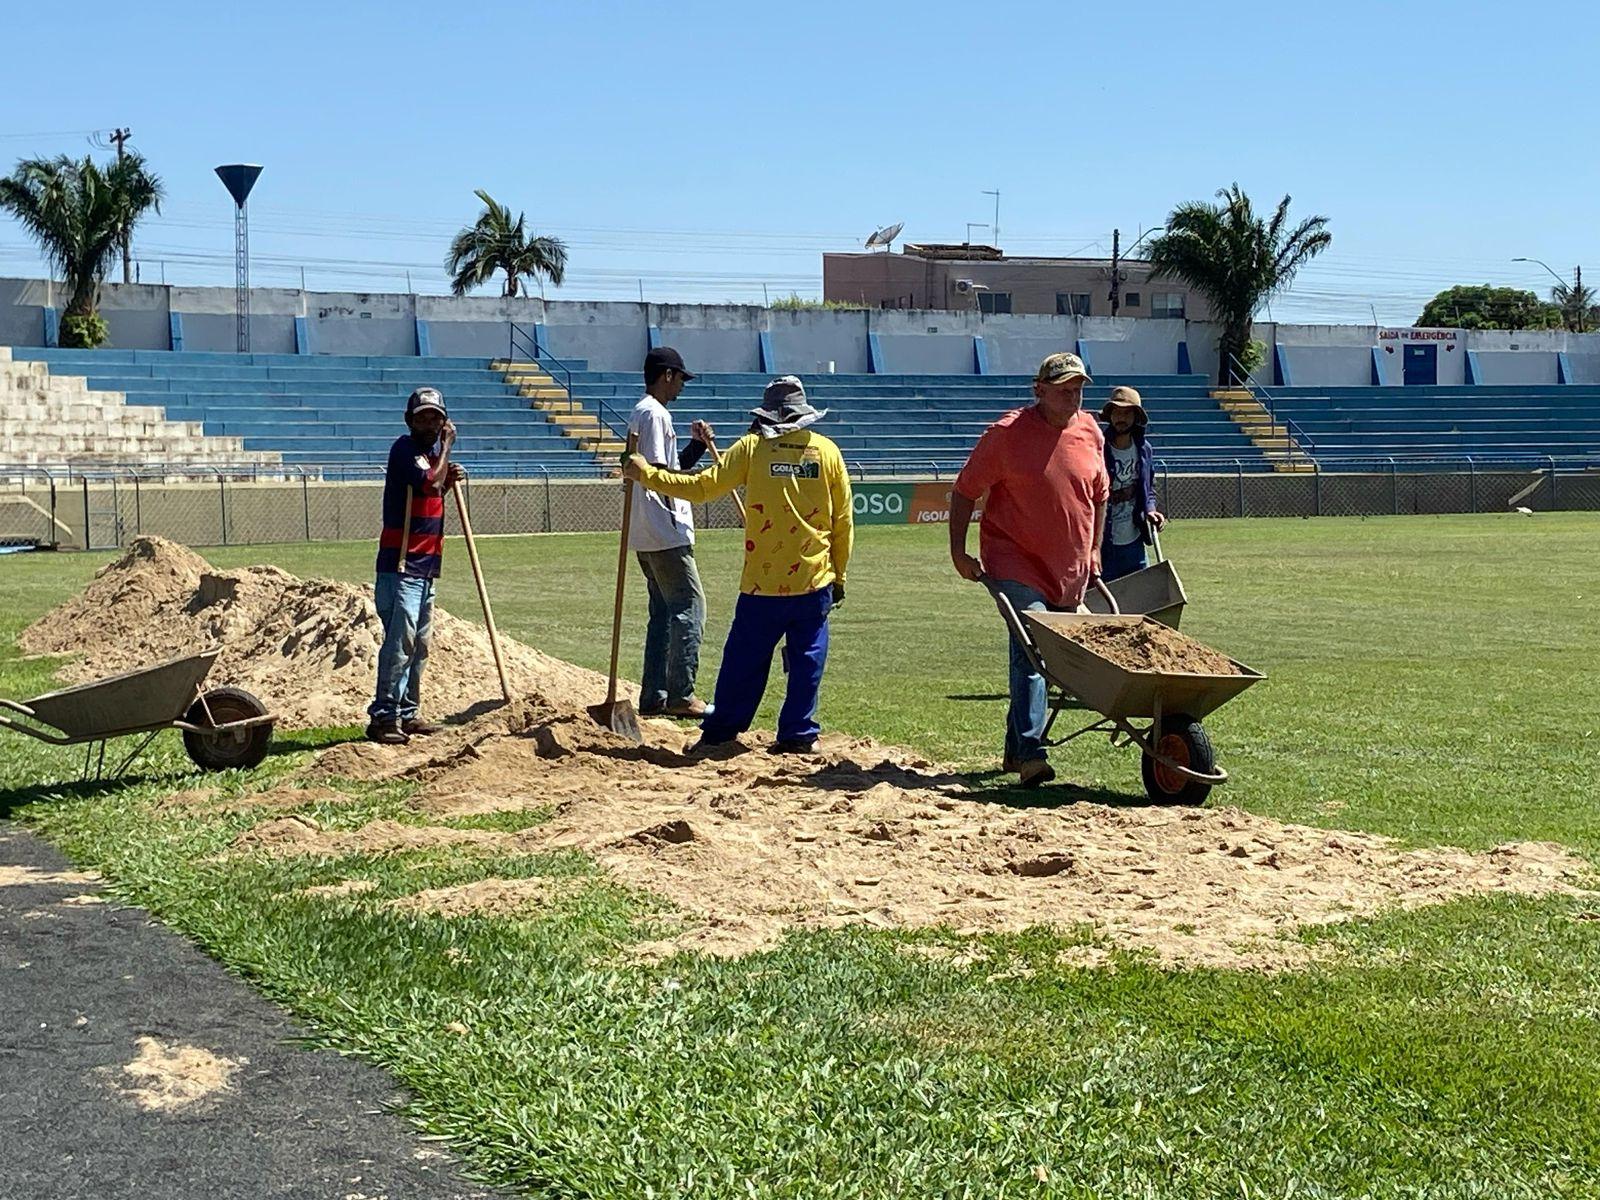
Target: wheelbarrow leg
[{"x": 133, "y": 754}]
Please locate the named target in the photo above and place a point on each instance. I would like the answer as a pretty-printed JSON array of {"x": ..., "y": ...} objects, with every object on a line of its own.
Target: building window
[
  {"x": 994, "y": 302},
  {"x": 1130, "y": 299},
  {"x": 1072, "y": 304},
  {"x": 1166, "y": 304}
]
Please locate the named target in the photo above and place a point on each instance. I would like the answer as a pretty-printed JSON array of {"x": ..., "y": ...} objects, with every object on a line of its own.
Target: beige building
[{"x": 973, "y": 278}]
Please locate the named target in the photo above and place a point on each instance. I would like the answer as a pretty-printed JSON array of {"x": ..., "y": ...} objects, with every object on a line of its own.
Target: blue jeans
[
  {"x": 1029, "y": 712},
  {"x": 759, "y": 622},
  {"x": 1117, "y": 561},
  {"x": 405, "y": 606},
  {"x": 677, "y": 621}
]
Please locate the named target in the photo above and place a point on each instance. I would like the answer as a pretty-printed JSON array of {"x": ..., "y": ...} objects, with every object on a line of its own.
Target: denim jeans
[
  {"x": 1117, "y": 561},
  {"x": 1028, "y": 714},
  {"x": 405, "y": 606},
  {"x": 677, "y": 620},
  {"x": 759, "y": 623}
]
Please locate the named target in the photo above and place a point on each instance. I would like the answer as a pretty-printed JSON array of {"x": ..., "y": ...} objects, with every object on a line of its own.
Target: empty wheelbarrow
[
  {"x": 1154, "y": 591},
  {"x": 1177, "y": 761},
  {"x": 223, "y": 727}
]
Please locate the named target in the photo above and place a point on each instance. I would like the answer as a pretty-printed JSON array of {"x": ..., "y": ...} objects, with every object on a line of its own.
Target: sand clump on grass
[
  {"x": 750, "y": 846},
  {"x": 168, "y": 1077},
  {"x": 307, "y": 647}
]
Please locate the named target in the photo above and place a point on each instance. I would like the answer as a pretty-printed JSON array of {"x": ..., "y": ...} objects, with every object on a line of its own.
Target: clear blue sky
[{"x": 708, "y": 148}]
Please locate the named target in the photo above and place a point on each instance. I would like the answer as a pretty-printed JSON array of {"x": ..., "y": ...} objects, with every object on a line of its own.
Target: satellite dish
[{"x": 882, "y": 237}]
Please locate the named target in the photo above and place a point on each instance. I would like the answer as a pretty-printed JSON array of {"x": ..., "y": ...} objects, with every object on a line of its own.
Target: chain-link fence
[{"x": 99, "y": 508}]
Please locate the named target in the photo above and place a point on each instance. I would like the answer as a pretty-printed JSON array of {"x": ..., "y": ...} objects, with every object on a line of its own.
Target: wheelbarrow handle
[
  {"x": 1013, "y": 620},
  {"x": 1155, "y": 544}
]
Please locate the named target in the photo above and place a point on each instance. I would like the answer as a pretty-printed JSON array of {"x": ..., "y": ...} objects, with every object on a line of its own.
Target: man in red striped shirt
[{"x": 409, "y": 552}]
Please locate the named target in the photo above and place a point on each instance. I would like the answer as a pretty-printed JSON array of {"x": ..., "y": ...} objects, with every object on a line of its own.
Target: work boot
[
  {"x": 418, "y": 728},
  {"x": 725, "y": 748},
  {"x": 1009, "y": 765},
  {"x": 693, "y": 707},
  {"x": 794, "y": 746},
  {"x": 387, "y": 733},
  {"x": 1035, "y": 772},
  {"x": 653, "y": 710}
]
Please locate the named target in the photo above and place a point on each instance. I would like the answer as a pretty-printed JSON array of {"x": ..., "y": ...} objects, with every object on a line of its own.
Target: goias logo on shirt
[{"x": 799, "y": 470}]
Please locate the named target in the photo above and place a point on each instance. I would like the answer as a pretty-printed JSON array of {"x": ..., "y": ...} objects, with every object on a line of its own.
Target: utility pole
[
  {"x": 1116, "y": 279},
  {"x": 120, "y": 137},
  {"x": 1577, "y": 294}
]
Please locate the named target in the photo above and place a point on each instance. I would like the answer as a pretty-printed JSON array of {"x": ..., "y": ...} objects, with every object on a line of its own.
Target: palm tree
[
  {"x": 1236, "y": 260},
  {"x": 81, "y": 216},
  {"x": 1577, "y": 304},
  {"x": 497, "y": 243}
]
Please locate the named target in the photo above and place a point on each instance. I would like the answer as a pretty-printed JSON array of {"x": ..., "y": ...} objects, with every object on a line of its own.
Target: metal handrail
[{"x": 528, "y": 343}]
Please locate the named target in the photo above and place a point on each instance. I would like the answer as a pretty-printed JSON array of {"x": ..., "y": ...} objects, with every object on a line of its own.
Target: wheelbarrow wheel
[
  {"x": 228, "y": 749},
  {"x": 1185, "y": 741}
]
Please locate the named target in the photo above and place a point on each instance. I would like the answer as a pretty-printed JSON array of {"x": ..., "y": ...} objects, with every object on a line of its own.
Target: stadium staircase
[
  {"x": 1267, "y": 433},
  {"x": 53, "y": 416}
]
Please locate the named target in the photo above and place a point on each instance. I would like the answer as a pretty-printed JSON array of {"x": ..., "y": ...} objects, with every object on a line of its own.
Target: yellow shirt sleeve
[
  {"x": 844, "y": 521},
  {"x": 716, "y": 480}
]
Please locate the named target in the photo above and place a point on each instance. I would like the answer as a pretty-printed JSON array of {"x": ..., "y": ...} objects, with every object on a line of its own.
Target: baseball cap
[
  {"x": 665, "y": 358},
  {"x": 425, "y": 397},
  {"x": 1062, "y": 368}
]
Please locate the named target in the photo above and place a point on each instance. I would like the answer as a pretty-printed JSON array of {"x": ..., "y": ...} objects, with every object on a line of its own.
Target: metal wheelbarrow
[
  {"x": 1155, "y": 591},
  {"x": 223, "y": 727},
  {"x": 1177, "y": 761}
]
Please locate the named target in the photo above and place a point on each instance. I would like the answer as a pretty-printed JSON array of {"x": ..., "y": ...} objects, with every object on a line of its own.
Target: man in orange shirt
[{"x": 1043, "y": 468}]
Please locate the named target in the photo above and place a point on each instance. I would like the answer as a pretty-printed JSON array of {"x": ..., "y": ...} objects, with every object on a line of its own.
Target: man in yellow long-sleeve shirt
[{"x": 797, "y": 534}]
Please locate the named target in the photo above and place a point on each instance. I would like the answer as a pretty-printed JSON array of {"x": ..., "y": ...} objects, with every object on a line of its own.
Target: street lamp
[
  {"x": 1546, "y": 266},
  {"x": 1574, "y": 294}
]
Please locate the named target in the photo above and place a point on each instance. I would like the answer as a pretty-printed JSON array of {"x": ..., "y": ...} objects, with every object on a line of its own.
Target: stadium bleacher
[
  {"x": 918, "y": 423},
  {"x": 343, "y": 412},
  {"x": 1488, "y": 420},
  {"x": 329, "y": 411}
]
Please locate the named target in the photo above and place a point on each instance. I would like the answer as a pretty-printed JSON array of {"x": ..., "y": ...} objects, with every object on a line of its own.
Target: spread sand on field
[
  {"x": 307, "y": 647},
  {"x": 750, "y": 846}
]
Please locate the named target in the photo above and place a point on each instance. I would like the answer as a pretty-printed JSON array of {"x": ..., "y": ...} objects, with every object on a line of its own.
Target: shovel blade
[{"x": 619, "y": 717}]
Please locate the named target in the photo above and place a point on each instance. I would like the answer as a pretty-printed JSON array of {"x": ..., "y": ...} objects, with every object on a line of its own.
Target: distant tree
[
  {"x": 1577, "y": 304},
  {"x": 1482, "y": 306},
  {"x": 1236, "y": 260},
  {"x": 81, "y": 216},
  {"x": 494, "y": 242}
]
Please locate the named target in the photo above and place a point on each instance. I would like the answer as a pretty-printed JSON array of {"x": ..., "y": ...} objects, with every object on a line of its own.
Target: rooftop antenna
[
  {"x": 882, "y": 237},
  {"x": 239, "y": 178}
]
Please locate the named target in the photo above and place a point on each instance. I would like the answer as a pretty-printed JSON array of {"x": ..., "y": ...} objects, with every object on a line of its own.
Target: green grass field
[{"x": 1430, "y": 678}]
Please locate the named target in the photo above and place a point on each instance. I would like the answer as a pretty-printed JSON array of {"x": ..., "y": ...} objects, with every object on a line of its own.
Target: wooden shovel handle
[
  {"x": 716, "y": 457},
  {"x": 483, "y": 591},
  {"x": 622, "y": 575}
]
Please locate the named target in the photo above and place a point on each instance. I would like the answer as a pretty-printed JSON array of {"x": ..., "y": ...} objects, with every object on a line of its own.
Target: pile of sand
[
  {"x": 308, "y": 648},
  {"x": 1146, "y": 646},
  {"x": 750, "y": 846}
]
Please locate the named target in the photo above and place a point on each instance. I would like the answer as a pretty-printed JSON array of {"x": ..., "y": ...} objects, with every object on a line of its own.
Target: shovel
[{"x": 616, "y": 715}]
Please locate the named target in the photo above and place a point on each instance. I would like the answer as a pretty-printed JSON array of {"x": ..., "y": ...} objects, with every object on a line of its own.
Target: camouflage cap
[{"x": 1062, "y": 368}]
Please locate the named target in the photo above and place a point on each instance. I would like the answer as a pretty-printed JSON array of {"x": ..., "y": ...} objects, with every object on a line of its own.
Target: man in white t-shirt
[{"x": 662, "y": 538}]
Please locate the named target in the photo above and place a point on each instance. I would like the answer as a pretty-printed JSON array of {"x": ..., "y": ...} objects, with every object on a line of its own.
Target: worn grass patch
[{"x": 1431, "y": 678}]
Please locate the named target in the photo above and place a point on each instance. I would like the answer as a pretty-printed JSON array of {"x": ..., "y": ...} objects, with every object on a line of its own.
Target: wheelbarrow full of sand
[
  {"x": 1151, "y": 685},
  {"x": 223, "y": 727}
]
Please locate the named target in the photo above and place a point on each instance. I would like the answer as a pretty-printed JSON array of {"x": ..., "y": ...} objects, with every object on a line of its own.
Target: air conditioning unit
[{"x": 963, "y": 286}]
